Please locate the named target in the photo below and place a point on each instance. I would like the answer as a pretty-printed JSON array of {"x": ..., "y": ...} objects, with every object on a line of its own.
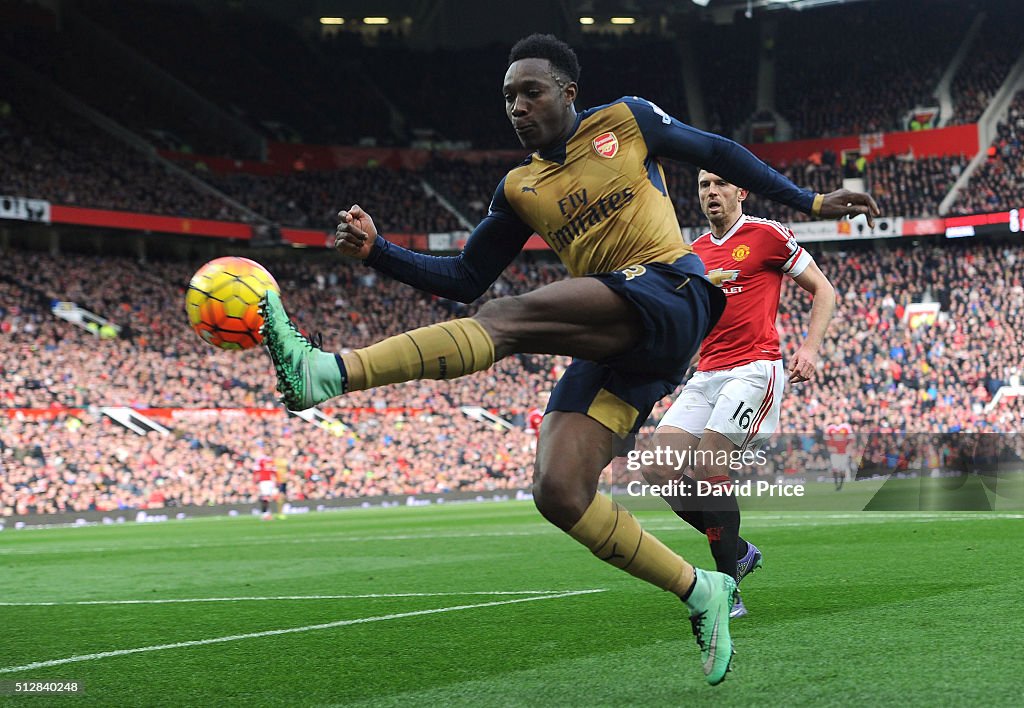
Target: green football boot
[
  {"x": 710, "y": 603},
  {"x": 306, "y": 375}
]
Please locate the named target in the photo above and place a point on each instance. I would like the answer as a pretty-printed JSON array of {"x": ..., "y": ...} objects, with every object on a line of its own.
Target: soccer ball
[{"x": 222, "y": 301}]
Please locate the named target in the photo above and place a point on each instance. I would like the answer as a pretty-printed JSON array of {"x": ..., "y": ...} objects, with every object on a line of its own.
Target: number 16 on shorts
[{"x": 743, "y": 416}]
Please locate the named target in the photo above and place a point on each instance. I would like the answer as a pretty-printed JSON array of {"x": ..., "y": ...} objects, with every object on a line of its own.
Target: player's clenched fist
[
  {"x": 355, "y": 234},
  {"x": 843, "y": 202}
]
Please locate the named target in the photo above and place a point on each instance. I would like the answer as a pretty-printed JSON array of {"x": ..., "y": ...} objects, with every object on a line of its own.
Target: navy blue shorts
[{"x": 678, "y": 306}]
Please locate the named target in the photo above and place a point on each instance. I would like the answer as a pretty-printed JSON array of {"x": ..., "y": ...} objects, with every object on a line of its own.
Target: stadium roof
[{"x": 569, "y": 8}]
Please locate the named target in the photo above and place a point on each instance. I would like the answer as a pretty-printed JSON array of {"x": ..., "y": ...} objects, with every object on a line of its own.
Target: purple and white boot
[{"x": 744, "y": 567}]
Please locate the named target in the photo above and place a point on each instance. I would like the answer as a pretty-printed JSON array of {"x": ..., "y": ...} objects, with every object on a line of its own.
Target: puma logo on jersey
[{"x": 529, "y": 189}]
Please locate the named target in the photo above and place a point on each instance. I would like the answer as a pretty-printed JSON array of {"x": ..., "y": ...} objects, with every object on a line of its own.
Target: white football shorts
[
  {"x": 742, "y": 404},
  {"x": 841, "y": 462},
  {"x": 268, "y": 488}
]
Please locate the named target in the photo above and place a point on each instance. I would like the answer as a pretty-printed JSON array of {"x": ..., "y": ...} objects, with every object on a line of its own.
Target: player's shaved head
[{"x": 547, "y": 46}]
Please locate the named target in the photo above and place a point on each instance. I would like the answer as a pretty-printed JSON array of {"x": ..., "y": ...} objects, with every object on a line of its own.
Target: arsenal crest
[{"x": 606, "y": 144}]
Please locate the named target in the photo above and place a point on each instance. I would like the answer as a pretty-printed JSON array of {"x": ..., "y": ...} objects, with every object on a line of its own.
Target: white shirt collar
[{"x": 735, "y": 227}]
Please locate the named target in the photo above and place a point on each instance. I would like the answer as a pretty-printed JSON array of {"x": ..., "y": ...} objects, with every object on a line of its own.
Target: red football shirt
[
  {"x": 748, "y": 263},
  {"x": 265, "y": 471},
  {"x": 837, "y": 438},
  {"x": 533, "y": 420}
]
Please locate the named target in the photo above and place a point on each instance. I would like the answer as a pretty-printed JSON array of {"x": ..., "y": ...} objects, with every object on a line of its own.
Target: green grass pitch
[{"x": 488, "y": 605}]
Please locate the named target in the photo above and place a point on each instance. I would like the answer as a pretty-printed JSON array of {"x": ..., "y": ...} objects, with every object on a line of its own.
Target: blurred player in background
[
  {"x": 734, "y": 400},
  {"x": 265, "y": 475},
  {"x": 535, "y": 418},
  {"x": 281, "y": 473},
  {"x": 838, "y": 435},
  {"x": 632, "y": 315}
]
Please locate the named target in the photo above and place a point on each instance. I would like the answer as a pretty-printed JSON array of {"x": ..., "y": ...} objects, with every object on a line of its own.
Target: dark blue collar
[{"x": 557, "y": 153}]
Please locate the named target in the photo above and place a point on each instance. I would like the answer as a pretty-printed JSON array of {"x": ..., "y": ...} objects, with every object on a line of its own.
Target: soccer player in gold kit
[{"x": 632, "y": 315}]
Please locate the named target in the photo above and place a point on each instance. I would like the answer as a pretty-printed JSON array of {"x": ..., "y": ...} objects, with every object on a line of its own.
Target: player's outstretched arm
[
  {"x": 667, "y": 137},
  {"x": 465, "y": 277}
]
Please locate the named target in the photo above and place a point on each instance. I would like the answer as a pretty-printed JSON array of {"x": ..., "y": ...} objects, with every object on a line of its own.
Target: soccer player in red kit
[
  {"x": 265, "y": 475},
  {"x": 734, "y": 399},
  {"x": 837, "y": 440},
  {"x": 534, "y": 417}
]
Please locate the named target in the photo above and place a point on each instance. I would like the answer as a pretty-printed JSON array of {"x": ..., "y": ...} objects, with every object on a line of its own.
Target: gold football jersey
[{"x": 602, "y": 205}]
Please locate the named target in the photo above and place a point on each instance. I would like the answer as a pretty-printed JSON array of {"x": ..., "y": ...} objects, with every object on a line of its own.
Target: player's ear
[
  {"x": 741, "y": 194},
  {"x": 570, "y": 90}
]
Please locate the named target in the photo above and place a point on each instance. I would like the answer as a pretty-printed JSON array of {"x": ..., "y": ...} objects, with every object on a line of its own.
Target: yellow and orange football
[{"x": 222, "y": 301}]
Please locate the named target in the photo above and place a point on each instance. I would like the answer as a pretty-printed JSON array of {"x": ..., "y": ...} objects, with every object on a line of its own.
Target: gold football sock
[
  {"x": 615, "y": 536},
  {"x": 440, "y": 351}
]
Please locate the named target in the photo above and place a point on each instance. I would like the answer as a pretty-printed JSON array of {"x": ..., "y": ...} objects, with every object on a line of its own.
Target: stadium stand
[
  {"x": 54, "y": 154},
  {"x": 80, "y": 462},
  {"x": 453, "y": 96},
  {"x": 998, "y": 184},
  {"x": 95, "y": 170},
  {"x": 70, "y": 61},
  {"x": 933, "y": 378},
  {"x": 154, "y": 365},
  {"x": 276, "y": 82},
  {"x": 883, "y": 374},
  {"x": 849, "y": 89},
  {"x": 734, "y": 70},
  {"x": 312, "y": 199},
  {"x": 876, "y": 369},
  {"x": 467, "y": 185},
  {"x": 990, "y": 58},
  {"x": 901, "y": 185}
]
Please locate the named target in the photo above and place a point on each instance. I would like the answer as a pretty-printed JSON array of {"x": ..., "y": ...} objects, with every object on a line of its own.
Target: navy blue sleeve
[
  {"x": 667, "y": 137},
  {"x": 465, "y": 277}
]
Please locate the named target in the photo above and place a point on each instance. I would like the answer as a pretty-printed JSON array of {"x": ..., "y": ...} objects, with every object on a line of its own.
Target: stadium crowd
[
  {"x": 881, "y": 62},
  {"x": 876, "y": 371},
  {"x": 312, "y": 199},
  {"x": 989, "y": 61},
  {"x": 998, "y": 183},
  {"x": 153, "y": 365},
  {"x": 879, "y": 371},
  {"x": 67, "y": 160},
  {"x": 51, "y": 153},
  {"x": 902, "y": 185},
  {"x": 80, "y": 461},
  {"x": 883, "y": 374}
]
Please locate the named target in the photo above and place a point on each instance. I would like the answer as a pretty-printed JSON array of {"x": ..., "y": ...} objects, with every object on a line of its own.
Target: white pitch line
[
  {"x": 183, "y": 600},
  {"x": 799, "y": 519},
  {"x": 274, "y": 541},
  {"x": 276, "y": 632}
]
